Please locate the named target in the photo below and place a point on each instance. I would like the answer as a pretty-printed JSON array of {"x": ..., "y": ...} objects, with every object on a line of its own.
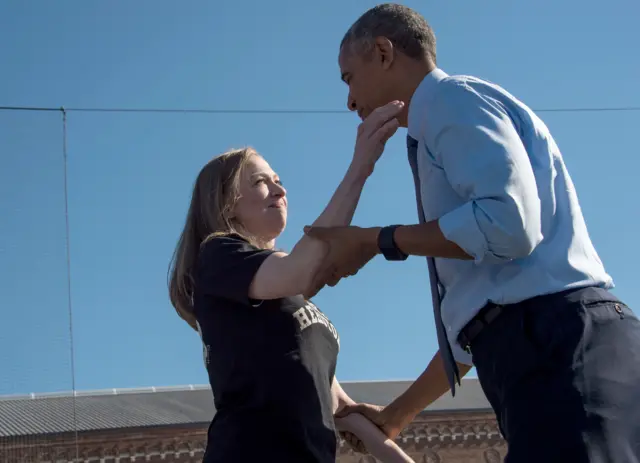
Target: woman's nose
[{"x": 278, "y": 190}]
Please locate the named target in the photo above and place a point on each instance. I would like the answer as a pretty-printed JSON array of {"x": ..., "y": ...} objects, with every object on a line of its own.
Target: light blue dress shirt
[{"x": 492, "y": 175}]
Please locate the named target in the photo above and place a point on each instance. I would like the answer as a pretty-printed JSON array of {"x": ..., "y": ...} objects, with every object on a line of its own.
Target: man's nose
[{"x": 351, "y": 103}]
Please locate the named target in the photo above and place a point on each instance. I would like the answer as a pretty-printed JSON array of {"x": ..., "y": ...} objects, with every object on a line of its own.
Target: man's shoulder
[
  {"x": 456, "y": 95},
  {"x": 471, "y": 90},
  {"x": 436, "y": 85},
  {"x": 443, "y": 99},
  {"x": 462, "y": 87}
]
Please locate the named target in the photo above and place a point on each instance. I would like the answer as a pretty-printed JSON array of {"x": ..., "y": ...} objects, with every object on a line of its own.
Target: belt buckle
[
  {"x": 465, "y": 343},
  {"x": 483, "y": 319}
]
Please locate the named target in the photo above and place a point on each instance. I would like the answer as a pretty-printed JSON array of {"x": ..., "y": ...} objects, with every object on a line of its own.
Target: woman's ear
[{"x": 229, "y": 213}]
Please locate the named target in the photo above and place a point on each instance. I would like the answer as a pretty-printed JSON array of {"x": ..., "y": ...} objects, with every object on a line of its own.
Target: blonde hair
[{"x": 214, "y": 195}]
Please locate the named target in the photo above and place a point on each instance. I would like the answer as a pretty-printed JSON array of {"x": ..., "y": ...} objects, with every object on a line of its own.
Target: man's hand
[
  {"x": 374, "y": 413},
  {"x": 349, "y": 249}
]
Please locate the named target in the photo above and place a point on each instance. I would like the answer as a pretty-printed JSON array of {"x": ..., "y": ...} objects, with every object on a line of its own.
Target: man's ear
[{"x": 385, "y": 52}]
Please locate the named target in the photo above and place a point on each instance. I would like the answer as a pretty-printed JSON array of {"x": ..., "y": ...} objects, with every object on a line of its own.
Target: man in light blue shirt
[
  {"x": 494, "y": 179},
  {"x": 518, "y": 289}
]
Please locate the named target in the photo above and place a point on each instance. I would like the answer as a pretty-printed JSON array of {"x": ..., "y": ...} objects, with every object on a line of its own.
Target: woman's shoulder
[
  {"x": 225, "y": 249},
  {"x": 224, "y": 237},
  {"x": 225, "y": 242}
]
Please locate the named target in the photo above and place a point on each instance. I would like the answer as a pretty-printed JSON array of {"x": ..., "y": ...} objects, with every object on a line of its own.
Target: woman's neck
[{"x": 269, "y": 244}]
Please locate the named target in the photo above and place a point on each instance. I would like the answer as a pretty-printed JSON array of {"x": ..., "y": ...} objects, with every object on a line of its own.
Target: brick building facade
[{"x": 170, "y": 424}]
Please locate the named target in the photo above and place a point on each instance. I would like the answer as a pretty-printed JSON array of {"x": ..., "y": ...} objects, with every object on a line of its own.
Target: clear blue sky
[{"x": 130, "y": 174}]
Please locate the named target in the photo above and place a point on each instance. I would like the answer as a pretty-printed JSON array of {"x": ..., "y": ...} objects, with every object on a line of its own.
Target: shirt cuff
[{"x": 460, "y": 226}]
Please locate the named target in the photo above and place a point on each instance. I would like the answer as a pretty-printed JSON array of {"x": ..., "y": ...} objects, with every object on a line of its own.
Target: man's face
[{"x": 367, "y": 79}]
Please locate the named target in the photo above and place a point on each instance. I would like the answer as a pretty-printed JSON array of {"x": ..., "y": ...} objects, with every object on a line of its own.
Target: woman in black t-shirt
[{"x": 270, "y": 354}]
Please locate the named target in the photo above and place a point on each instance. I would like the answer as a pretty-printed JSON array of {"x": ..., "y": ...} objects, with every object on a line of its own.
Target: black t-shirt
[{"x": 270, "y": 363}]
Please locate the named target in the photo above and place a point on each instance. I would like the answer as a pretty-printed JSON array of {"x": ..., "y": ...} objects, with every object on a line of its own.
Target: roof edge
[
  {"x": 103, "y": 392},
  {"x": 153, "y": 389}
]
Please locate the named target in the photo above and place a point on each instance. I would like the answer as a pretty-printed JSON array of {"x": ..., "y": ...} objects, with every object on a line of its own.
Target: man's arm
[
  {"x": 373, "y": 440},
  {"x": 475, "y": 142},
  {"x": 425, "y": 390},
  {"x": 393, "y": 418},
  {"x": 477, "y": 145},
  {"x": 427, "y": 239}
]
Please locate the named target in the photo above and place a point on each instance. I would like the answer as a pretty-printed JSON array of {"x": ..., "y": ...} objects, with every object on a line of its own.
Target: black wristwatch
[{"x": 387, "y": 244}]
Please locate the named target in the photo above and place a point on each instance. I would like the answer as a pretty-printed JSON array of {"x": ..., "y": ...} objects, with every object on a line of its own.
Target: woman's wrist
[{"x": 358, "y": 173}]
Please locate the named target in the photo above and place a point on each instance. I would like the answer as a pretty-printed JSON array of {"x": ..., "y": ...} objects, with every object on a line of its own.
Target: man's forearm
[
  {"x": 427, "y": 240},
  {"x": 429, "y": 387}
]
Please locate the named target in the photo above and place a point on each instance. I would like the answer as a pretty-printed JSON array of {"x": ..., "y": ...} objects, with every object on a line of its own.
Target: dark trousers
[{"x": 562, "y": 373}]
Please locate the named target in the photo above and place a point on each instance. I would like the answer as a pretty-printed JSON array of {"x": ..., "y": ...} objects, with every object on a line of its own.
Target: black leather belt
[{"x": 484, "y": 318}]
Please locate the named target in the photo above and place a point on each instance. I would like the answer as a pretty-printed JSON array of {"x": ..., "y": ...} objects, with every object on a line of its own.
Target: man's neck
[{"x": 416, "y": 71}]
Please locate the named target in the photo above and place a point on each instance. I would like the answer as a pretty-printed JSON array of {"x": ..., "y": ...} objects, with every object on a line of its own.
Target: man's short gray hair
[{"x": 405, "y": 28}]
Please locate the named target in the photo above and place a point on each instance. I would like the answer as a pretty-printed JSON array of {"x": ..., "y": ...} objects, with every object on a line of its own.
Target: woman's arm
[
  {"x": 374, "y": 440},
  {"x": 281, "y": 274}
]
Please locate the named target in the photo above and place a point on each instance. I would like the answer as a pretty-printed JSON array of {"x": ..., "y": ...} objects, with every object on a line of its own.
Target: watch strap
[{"x": 387, "y": 244}]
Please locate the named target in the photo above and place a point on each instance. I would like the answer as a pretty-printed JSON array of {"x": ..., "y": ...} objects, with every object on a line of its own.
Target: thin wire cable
[
  {"x": 279, "y": 111},
  {"x": 68, "y": 252},
  {"x": 28, "y": 108},
  {"x": 210, "y": 111}
]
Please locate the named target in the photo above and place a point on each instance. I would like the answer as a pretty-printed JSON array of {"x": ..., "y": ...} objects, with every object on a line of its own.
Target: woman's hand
[
  {"x": 365, "y": 436},
  {"x": 374, "y": 413},
  {"x": 373, "y": 134}
]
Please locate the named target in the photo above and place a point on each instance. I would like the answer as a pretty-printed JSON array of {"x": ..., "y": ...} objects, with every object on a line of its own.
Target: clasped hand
[
  {"x": 350, "y": 248},
  {"x": 374, "y": 413}
]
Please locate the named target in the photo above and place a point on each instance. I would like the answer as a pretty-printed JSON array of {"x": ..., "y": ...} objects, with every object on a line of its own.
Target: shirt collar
[{"x": 422, "y": 93}]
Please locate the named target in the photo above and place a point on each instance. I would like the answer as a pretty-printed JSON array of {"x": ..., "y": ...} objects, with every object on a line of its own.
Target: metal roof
[
  {"x": 41, "y": 414},
  {"x": 469, "y": 395}
]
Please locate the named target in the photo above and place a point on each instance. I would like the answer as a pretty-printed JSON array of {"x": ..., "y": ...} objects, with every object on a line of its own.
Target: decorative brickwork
[
  {"x": 170, "y": 424},
  {"x": 431, "y": 438}
]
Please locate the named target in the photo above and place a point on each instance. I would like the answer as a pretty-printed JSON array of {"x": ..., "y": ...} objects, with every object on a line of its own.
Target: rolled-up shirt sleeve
[{"x": 477, "y": 145}]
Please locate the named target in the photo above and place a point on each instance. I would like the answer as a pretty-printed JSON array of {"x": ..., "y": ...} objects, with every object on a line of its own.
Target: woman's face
[{"x": 262, "y": 204}]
